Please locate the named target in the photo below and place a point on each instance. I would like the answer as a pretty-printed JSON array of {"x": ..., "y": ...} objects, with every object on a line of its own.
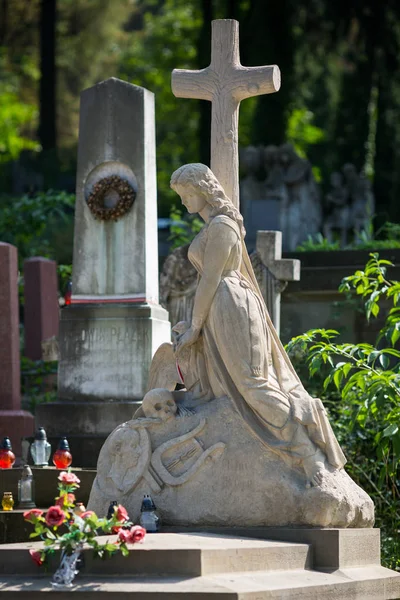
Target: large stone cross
[{"x": 225, "y": 82}]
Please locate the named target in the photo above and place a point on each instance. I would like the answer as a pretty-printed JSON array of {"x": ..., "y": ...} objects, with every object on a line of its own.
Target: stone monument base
[
  {"x": 105, "y": 353},
  {"x": 334, "y": 564},
  {"x": 106, "y": 350}
]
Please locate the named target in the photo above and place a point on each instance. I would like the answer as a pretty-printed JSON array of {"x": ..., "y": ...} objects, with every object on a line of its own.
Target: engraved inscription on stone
[{"x": 93, "y": 352}]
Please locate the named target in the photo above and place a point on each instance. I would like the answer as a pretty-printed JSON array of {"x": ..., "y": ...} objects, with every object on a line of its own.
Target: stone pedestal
[
  {"x": 14, "y": 422},
  {"x": 41, "y": 311},
  {"x": 105, "y": 355},
  {"x": 106, "y": 350},
  {"x": 200, "y": 565}
]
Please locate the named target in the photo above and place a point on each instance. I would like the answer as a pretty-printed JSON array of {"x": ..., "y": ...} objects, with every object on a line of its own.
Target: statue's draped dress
[{"x": 240, "y": 356}]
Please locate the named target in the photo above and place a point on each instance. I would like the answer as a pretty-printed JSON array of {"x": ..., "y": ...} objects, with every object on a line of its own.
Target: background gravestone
[
  {"x": 14, "y": 422},
  {"x": 114, "y": 324},
  {"x": 41, "y": 311}
]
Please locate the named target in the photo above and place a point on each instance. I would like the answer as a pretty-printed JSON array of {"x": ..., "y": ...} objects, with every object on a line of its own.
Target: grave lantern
[
  {"x": 149, "y": 517},
  {"x": 7, "y": 502},
  {"x": 62, "y": 457},
  {"x": 26, "y": 489},
  {"x": 40, "y": 449},
  {"x": 7, "y": 456}
]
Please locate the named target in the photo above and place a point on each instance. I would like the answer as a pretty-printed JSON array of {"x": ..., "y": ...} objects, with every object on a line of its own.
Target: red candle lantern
[
  {"x": 7, "y": 456},
  {"x": 62, "y": 457},
  {"x": 68, "y": 294}
]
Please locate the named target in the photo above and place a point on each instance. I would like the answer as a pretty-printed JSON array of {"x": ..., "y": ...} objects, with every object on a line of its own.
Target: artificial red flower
[
  {"x": 55, "y": 516},
  {"x": 36, "y": 557},
  {"x": 31, "y": 515},
  {"x": 121, "y": 513},
  {"x": 87, "y": 514},
  {"x": 116, "y": 528},
  {"x": 66, "y": 477},
  {"x": 65, "y": 499}
]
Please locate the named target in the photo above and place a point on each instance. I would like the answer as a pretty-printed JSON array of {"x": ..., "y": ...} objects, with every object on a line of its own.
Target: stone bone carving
[{"x": 159, "y": 403}]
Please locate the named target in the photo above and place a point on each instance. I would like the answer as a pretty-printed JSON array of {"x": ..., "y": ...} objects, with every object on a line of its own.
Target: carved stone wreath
[{"x": 126, "y": 198}]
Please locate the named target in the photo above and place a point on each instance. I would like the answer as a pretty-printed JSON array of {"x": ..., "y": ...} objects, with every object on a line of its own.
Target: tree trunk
[
  {"x": 267, "y": 40},
  {"x": 47, "y": 95}
]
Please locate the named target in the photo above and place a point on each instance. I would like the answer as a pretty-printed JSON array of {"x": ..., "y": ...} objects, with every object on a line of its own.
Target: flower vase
[{"x": 65, "y": 574}]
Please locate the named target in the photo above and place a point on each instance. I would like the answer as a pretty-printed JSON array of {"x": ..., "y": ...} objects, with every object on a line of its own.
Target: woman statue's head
[{"x": 198, "y": 178}]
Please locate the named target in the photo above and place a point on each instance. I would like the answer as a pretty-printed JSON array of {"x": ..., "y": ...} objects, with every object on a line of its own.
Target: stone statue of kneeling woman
[{"x": 234, "y": 348}]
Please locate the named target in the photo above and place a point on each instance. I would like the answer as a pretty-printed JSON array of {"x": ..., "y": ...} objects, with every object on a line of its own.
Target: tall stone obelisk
[{"x": 114, "y": 324}]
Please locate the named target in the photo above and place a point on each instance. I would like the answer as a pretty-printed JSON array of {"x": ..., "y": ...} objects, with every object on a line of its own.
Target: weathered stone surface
[
  {"x": 241, "y": 482},
  {"x": 106, "y": 350},
  {"x": 117, "y": 137},
  {"x": 41, "y": 310},
  {"x": 114, "y": 325}
]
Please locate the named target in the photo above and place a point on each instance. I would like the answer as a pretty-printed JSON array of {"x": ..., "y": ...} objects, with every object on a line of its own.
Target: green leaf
[
  {"x": 124, "y": 550},
  {"x": 337, "y": 378},
  {"x": 375, "y": 309},
  {"x": 347, "y": 368},
  {"x": 384, "y": 360},
  {"x": 390, "y": 430}
]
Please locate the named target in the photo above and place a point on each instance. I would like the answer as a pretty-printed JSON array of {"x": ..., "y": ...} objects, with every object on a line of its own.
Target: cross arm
[
  {"x": 269, "y": 248},
  {"x": 255, "y": 81},
  {"x": 193, "y": 84}
]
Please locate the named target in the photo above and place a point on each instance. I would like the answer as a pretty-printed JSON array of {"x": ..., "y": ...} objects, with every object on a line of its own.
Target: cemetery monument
[
  {"x": 245, "y": 444},
  {"x": 114, "y": 324}
]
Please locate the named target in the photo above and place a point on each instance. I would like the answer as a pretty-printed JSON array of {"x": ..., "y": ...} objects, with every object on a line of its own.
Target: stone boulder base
[{"x": 240, "y": 483}]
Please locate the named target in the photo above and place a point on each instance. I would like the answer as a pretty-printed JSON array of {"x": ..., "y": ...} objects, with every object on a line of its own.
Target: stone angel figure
[{"x": 232, "y": 341}]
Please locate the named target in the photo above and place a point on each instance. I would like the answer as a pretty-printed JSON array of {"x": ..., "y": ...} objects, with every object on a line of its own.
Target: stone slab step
[
  {"x": 172, "y": 554},
  {"x": 374, "y": 583}
]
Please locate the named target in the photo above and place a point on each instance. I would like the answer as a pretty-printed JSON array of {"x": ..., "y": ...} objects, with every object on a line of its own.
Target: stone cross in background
[
  {"x": 14, "y": 422},
  {"x": 273, "y": 272},
  {"x": 225, "y": 82},
  {"x": 41, "y": 310}
]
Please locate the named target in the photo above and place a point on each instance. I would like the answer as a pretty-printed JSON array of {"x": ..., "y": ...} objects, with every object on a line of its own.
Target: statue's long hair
[{"x": 203, "y": 180}]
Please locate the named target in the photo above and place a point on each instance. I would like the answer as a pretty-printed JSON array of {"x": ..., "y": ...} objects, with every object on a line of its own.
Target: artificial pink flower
[
  {"x": 133, "y": 535},
  {"x": 123, "y": 536},
  {"x": 65, "y": 499},
  {"x": 87, "y": 514},
  {"x": 36, "y": 557},
  {"x": 66, "y": 477},
  {"x": 121, "y": 513},
  {"x": 31, "y": 515},
  {"x": 55, "y": 516},
  {"x": 137, "y": 534}
]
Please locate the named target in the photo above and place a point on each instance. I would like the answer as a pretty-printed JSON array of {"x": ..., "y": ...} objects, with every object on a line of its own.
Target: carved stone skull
[{"x": 159, "y": 403}]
